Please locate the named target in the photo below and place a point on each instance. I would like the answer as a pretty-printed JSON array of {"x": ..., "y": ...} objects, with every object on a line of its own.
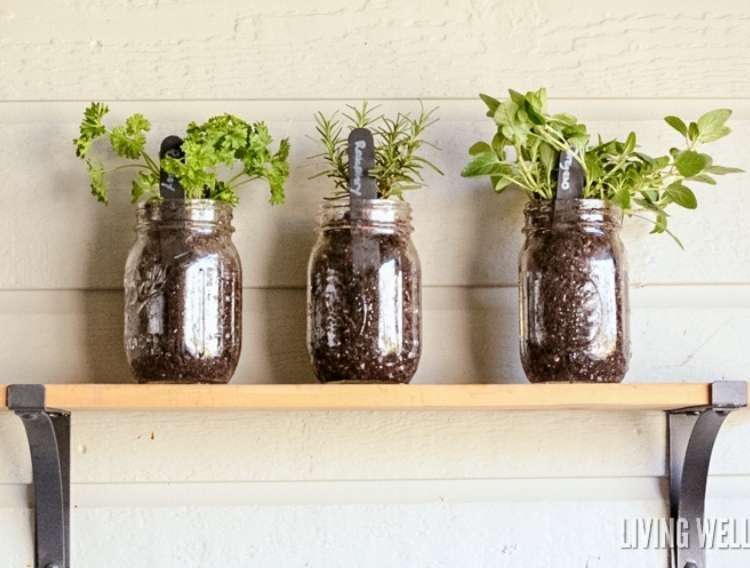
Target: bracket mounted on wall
[
  {"x": 48, "y": 433},
  {"x": 692, "y": 433}
]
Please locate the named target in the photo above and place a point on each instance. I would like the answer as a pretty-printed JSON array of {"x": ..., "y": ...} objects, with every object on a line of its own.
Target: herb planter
[
  {"x": 183, "y": 280},
  {"x": 183, "y": 294},
  {"x": 364, "y": 320},
  {"x": 573, "y": 276},
  {"x": 364, "y": 295},
  {"x": 573, "y": 293}
]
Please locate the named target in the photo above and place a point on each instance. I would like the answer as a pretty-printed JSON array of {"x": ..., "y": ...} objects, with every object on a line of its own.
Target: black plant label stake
[
  {"x": 361, "y": 160},
  {"x": 570, "y": 180},
  {"x": 362, "y": 187},
  {"x": 169, "y": 186}
]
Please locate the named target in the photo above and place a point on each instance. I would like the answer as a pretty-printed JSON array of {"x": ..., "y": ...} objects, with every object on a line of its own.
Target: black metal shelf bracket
[
  {"x": 692, "y": 433},
  {"x": 48, "y": 433}
]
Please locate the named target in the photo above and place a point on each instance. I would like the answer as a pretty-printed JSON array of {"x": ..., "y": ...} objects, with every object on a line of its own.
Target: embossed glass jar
[
  {"x": 183, "y": 294},
  {"x": 573, "y": 294},
  {"x": 364, "y": 322}
]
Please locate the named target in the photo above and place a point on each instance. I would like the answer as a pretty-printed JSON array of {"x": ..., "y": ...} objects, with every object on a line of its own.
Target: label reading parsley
[{"x": 169, "y": 186}]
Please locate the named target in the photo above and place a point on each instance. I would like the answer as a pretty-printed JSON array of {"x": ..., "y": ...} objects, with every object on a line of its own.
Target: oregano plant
[
  {"x": 398, "y": 144},
  {"x": 524, "y": 153},
  {"x": 222, "y": 143}
]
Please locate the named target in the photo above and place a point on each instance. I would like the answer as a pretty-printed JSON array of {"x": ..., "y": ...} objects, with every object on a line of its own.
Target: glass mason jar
[
  {"x": 573, "y": 294},
  {"x": 364, "y": 320},
  {"x": 183, "y": 294}
]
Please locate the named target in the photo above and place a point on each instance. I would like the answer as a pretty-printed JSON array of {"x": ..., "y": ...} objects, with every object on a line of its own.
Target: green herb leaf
[
  {"x": 711, "y": 125},
  {"x": 479, "y": 148},
  {"x": 98, "y": 184},
  {"x": 491, "y": 102},
  {"x": 677, "y": 123},
  {"x": 704, "y": 178},
  {"x": 721, "y": 170},
  {"x": 484, "y": 164},
  {"x": 129, "y": 140},
  {"x": 502, "y": 184},
  {"x": 145, "y": 184},
  {"x": 91, "y": 128},
  {"x": 682, "y": 195},
  {"x": 661, "y": 223},
  {"x": 715, "y": 135},
  {"x": 398, "y": 143},
  {"x": 693, "y": 132},
  {"x": 690, "y": 163}
]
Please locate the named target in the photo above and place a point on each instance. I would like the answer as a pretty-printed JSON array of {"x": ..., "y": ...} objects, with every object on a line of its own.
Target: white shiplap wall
[{"x": 389, "y": 489}]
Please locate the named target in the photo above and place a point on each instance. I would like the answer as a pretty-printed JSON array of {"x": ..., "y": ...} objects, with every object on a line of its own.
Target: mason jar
[
  {"x": 364, "y": 322},
  {"x": 573, "y": 293},
  {"x": 183, "y": 293}
]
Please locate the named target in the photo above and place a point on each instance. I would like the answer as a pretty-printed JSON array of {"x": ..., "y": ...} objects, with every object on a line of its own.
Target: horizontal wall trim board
[{"x": 298, "y": 109}]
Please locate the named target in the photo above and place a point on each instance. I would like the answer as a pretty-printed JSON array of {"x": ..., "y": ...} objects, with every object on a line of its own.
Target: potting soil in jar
[
  {"x": 183, "y": 294},
  {"x": 573, "y": 294},
  {"x": 364, "y": 295}
]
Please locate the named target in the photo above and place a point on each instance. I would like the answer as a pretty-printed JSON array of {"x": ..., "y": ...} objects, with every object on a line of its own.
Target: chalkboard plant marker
[
  {"x": 183, "y": 277},
  {"x": 169, "y": 185},
  {"x": 364, "y": 293},
  {"x": 573, "y": 275},
  {"x": 362, "y": 190}
]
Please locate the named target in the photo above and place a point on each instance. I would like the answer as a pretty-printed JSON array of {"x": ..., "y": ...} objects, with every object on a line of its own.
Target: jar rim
[
  {"x": 539, "y": 214},
  {"x": 187, "y": 203},
  {"x": 195, "y": 212},
  {"x": 585, "y": 204},
  {"x": 378, "y": 203},
  {"x": 379, "y": 214}
]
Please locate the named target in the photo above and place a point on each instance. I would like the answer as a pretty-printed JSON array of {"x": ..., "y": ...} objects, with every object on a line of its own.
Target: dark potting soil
[
  {"x": 184, "y": 308},
  {"x": 576, "y": 302},
  {"x": 365, "y": 308}
]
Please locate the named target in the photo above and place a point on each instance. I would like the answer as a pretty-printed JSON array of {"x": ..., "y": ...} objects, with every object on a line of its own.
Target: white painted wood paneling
[
  {"x": 400, "y": 489},
  {"x": 517, "y": 534},
  {"x": 293, "y": 48},
  {"x": 292, "y": 446}
]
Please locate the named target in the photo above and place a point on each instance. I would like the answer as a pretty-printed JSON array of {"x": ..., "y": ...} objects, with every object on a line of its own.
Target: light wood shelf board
[{"x": 628, "y": 396}]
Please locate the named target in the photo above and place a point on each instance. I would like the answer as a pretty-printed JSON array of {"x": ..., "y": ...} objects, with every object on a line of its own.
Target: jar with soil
[
  {"x": 364, "y": 294},
  {"x": 183, "y": 293},
  {"x": 573, "y": 293}
]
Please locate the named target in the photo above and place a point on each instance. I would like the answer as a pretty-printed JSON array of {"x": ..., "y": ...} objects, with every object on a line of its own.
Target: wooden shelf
[{"x": 375, "y": 397}]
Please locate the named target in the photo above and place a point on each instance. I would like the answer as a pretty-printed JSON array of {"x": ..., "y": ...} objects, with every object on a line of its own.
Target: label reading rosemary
[
  {"x": 362, "y": 187},
  {"x": 569, "y": 177},
  {"x": 169, "y": 186},
  {"x": 361, "y": 161}
]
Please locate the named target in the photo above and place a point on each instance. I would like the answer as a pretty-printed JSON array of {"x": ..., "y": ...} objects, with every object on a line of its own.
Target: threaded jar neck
[
  {"x": 381, "y": 215},
  {"x": 583, "y": 214},
  {"x": 201, "y": 214}
]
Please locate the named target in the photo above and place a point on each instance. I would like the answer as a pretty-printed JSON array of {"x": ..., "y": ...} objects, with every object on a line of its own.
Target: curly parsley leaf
[
  {"x": 91, "y": 128},
  {"x": 145, "y": 184},
  {"x": 97, "y": 182},
  {"x": 228, "y": 140},
  {"x": 129, "y": 139}
]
